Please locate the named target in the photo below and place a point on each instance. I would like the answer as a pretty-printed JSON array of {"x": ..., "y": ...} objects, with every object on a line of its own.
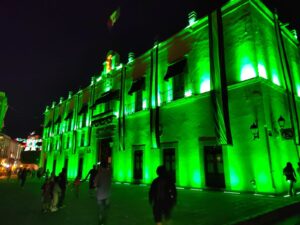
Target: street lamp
[
  {"x": 254, "y": 130},
  {"x": 281, "y": 122}
]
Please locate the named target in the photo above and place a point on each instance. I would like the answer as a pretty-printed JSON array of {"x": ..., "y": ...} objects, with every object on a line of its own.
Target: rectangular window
[
  {"x": 83, "y": 119},
  {"x": 178, "y": 86},
  {"x": 69, "y": 124},
  {"x": 138, "y": 100},
  {"x": 107, "y": 106},
  {"x": 82, "y": 138}
]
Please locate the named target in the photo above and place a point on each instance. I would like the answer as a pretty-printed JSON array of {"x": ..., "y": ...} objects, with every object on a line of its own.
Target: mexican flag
[{"x": 113, "y": 18}]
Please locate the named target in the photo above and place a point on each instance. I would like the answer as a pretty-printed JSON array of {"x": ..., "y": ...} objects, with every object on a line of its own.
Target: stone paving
[{"x": 129, "y": 206}]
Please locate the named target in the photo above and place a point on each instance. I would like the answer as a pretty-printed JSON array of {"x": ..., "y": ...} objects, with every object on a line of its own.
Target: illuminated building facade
[
  {"x": 217, "y": 103},
  {"x": 10, "y": 151},
  {"x": 32, "y": 147},
  {"x": 3, "y": 109}
]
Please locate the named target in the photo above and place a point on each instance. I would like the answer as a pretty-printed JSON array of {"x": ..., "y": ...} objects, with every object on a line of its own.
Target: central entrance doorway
[{"x": 104, "y": 150}]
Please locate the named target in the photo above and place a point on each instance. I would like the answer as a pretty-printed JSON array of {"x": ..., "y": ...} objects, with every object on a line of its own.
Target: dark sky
[{"x": 50, "y": 47}]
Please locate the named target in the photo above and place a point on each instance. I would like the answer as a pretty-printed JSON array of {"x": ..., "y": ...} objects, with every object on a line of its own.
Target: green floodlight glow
[
  {"x": 248, "y": 72},
  {"x": 99, "y": 78},
  {"x": 262, "y": 71},
  {"x": 128, "y": 110},
  {"x": 147, "y": 176},
  {"x": 119, "y": 67},
  {"x": 159, "y": 99},
  {"x": 298, "y": 90},
  {"x": 262, "y": 179},
  {"x": 169, "y": 93},
  {"x": 205, "y": 86},
  {"x": 144, "y": 104},
  {"x": 275, "y": 80},
  {"x": 188, "y": 93},
  {"x": 234, "y": 180},
  {"x": 170, "y": 96},
  {"x": 196, "y": 178},
  {"x": 129, "y": 175},
  {"x": 116, "y": 114}
]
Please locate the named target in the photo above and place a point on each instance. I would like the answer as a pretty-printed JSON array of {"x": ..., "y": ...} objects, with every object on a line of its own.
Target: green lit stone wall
[
  {"x": 239, "y": 45},
  {"x": 256, "y": 93},
  {"x": 268, "y": 60}
]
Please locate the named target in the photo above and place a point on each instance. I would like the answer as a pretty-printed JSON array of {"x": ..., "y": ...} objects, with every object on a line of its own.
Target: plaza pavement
[{"x": 129, "y": 206}]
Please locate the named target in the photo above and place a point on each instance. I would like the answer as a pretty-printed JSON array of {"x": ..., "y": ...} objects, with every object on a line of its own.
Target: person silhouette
[
  {"x": 62, "y": 181},
  {"x": 162, "y": 196},
  {"x": 290, "y": 176},
  {"x": 92, "y": 175},
  {"x": 103, "y": 184}
]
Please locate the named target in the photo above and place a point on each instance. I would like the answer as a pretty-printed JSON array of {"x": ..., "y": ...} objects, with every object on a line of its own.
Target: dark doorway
[
  {"x": 138, "y": 165},
  {"x": 66, "y": 163},
  {"x": 80, "y": 165},
  {"x": 214, "y": 168},
  {"x": 169, "y": 162},
  {"x": 54, "y": 167},
  {"x": 104, "y": 151}
]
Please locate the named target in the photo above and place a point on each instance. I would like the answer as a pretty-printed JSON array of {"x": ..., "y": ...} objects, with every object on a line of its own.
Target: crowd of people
[{"x": 162, "y": 193}]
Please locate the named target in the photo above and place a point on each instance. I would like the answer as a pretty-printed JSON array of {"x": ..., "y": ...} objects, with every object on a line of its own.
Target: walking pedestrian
[
  {"x": 290, "y": 175},
  {"x": 47, "y": 190},
  {"x": 62, "y": 181},
  {"x": 162, "y": 196},
  {"x": 8, "y": 173},
  {"x": 56, "y": 194},
  {"x": 103, "y": 185},
  {"x": 91, "y": 175},
  {"x": 23, "y": 176},
  {"x": 76, "y": 185}
]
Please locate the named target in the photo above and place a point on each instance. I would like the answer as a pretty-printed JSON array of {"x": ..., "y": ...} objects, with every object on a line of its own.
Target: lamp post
[
  {"x": 254, "y": 130},
  {"x": 281, "y": 122}
]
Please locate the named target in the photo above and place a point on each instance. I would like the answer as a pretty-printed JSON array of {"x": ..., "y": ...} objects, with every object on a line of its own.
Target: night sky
[{"x": 51, "y": 47}]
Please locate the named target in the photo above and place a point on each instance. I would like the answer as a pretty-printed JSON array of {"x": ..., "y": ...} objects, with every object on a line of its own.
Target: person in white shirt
[{"x": 103, "y": 184}]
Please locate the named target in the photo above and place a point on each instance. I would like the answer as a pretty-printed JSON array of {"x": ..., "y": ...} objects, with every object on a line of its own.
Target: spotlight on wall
[{"x": 254, "y": 130}]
